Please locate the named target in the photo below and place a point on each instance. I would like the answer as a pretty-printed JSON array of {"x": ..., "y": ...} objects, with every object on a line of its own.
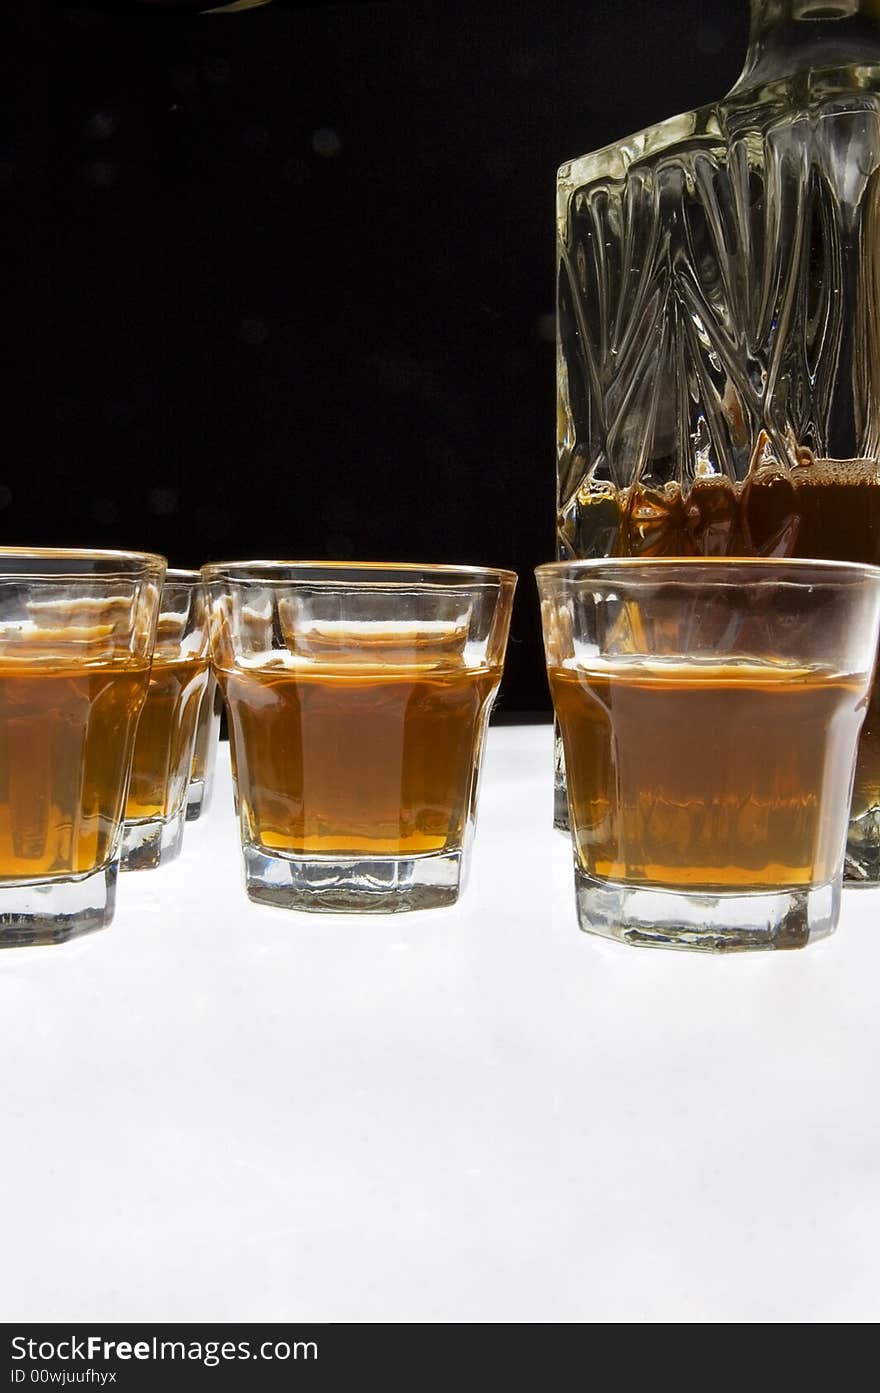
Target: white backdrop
[{"x": 213, "y": 1111}]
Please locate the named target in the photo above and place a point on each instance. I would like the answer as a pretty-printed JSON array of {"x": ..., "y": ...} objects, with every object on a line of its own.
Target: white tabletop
[{"x": 213, "y": 1111}]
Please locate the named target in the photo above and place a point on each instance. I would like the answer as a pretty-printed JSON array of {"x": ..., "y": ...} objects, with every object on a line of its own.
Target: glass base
[
  {"x": 560, "y": 807},
  {"x": 146, "y": 845},
  {"x": 57, "y": 910},
  {"x": 371, "y": 885},
  {"x": 198, "y": 799},
  {"x": 862, "y": 864},
  {"x": 560, "y": 792},
  {"x": 725, "y": 923}
]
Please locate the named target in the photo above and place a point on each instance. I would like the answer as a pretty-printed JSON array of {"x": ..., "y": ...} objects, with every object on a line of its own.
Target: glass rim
[
  {"x": 293, "y": 572},
  {"x": 803, "y": 570},
  {"x": 132, "y": 561},
  {"x": 182, "y": 575}
]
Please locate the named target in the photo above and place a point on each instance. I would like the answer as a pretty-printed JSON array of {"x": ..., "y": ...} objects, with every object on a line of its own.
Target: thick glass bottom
[
  {"x": 367, "y": 885},
  {"x": 56, "y": 910},
  {"x": 561, "y": 819},
  {"x": 862, "y": 864},
  {"x": 146, "y": 845},
  {"x": 198, "y": 799},
  {"x": 560, "y": 790},
  {"x": 710, "y": 923}
]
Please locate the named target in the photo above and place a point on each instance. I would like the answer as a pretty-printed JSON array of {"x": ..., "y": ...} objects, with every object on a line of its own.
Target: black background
[{"x": 293, "y": 271}]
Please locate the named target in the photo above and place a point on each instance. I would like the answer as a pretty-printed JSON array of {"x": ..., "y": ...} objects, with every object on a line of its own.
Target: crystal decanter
[{"x": 719, "y": 327}]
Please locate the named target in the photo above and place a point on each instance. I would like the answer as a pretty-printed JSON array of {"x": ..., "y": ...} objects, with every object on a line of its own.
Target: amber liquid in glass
[
  {"x": 166, "y": 731},
  {"x": 359, "y": 759},
  {"x": 828, "y": 509},
  {"x": 720, "y": 777},
  {"x": 66, "y": 736},
  {"x": 825, "y": 509}
]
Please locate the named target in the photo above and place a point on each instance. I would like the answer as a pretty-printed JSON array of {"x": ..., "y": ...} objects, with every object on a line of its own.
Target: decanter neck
[{"x": 789, "y": 36}]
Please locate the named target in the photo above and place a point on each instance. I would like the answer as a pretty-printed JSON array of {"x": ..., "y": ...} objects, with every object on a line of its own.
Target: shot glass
[
  {"x": 358, "y": 698},
  {"x": 155, "y": 811},
  {"x": 76, "y": 637},
  {"x": 710, "y": 713},
  {"x": 204, "y": 760}
]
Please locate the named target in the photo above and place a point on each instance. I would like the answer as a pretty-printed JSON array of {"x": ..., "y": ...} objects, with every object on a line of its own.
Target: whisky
[
  {"x": 357, "y": 759},
  {"x": 708, "y": 776},
  {"x": 66, "y": 735},
  {"x": 166, "y": 731},
  {"x": 866, "y": 788},
  {"x": 828, "y": 509}
]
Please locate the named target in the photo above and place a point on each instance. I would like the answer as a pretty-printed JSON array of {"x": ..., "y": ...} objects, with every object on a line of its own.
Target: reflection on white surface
[{"x": 214, "y": 1111}]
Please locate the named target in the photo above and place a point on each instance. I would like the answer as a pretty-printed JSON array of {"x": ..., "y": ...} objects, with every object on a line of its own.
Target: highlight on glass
[
  {"x": 76, "y": 638},
  {"x": 710, "y": 713},
  {"x": 155, "y": 810},
  {"x": 357, "y": 698}
]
